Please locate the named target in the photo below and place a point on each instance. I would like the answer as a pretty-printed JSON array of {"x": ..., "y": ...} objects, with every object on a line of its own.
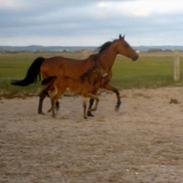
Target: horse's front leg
[{"x": 116, "y": 91}]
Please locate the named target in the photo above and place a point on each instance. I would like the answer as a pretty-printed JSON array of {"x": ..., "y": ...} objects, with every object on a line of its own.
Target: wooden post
[{"x": 176, "y": 68}]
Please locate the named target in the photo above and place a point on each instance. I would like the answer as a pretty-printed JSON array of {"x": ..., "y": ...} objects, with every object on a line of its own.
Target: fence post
[{"x": 176, "y": 68}]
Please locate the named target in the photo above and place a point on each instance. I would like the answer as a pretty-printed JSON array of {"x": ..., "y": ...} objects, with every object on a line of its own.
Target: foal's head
[{"x": 94, "y": 73}]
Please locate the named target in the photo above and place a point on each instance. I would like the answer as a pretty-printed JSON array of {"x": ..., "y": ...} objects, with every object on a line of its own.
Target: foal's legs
[
  {"x": 91, "y": 102},
  {"x": 42, "y": 96},
  {"x": 55, "y": 94},
  {"x": 57, "y": 106},
  {"x": 89, "y": 113},
  {"x": 96, "y": 99},
  {"x": 53, "y": 106}
]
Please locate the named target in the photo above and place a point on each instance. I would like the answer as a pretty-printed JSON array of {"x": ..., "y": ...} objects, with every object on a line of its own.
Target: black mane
[{"x": 104, "y": 46}]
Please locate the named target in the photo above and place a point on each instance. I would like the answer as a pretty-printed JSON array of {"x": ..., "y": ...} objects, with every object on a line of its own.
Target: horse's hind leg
[
  {"x": 42, "y": 96},
  {"x": 85, "y": 108}
]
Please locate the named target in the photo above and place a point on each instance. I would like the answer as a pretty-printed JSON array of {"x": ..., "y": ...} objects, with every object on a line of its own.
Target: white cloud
[
  {"x": 11, "y": 4},
  {"x": 141, "y": 8},
  {"x": 86, "y": 22},
  {"x": 103, "y": 4}
]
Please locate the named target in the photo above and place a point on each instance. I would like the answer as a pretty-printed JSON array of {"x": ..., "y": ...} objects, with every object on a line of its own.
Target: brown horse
[
  {"x": 84, "y": 86},
  {"x": 66, "y": 67}
]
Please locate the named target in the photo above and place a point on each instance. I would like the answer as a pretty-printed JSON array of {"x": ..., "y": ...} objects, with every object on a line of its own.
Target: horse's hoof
[
  {"x": 42, "y": 113},
  {"x": 90, "y": 114},
  {"x": 85, "y": 117},
  {"x": 117, "y": 108}
]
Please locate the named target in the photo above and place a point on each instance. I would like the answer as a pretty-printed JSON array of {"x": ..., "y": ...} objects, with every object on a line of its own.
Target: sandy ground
[{"x": 142, "y": 143}]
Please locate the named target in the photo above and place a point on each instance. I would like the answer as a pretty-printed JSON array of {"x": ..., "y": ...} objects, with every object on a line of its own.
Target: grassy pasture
[{"x": 150, "y": 71}]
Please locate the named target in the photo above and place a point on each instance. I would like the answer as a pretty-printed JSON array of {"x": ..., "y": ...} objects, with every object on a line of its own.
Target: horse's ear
[{"x": 121, "y": 37}]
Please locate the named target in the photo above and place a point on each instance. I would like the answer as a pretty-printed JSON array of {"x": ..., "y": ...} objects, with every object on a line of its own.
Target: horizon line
[{"x": 39, "y": 45}]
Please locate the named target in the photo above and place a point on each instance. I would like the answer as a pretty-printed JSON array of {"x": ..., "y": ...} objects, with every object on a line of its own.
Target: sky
[{"x": 90, "y": 22}]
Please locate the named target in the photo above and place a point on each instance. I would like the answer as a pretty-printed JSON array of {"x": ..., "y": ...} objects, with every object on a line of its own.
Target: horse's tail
[
  {"x": 32, "y": 73},
  {"x": 48, "y": 80}
]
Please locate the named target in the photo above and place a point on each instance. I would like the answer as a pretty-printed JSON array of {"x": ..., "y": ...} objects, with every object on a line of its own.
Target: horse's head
[{"x": 123, "y": 48}]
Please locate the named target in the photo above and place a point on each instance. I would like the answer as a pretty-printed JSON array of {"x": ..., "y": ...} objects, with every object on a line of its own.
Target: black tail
[
  {"x": 48, "y": 80},
  {"x": 32, "y": 73}
]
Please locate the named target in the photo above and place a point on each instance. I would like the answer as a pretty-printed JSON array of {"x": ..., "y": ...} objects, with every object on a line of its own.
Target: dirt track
[{"x": 142, "y": 143}]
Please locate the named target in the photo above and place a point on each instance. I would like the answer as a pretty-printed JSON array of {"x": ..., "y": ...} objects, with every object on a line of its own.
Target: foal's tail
[{"x": 32, "y": 73}]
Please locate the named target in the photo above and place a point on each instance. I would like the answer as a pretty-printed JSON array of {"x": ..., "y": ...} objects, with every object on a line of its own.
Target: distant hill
[
  {"x": 37, "y": 48},
  {"x": 34, "y": 48},
  {"x": 159, "y": 48}
]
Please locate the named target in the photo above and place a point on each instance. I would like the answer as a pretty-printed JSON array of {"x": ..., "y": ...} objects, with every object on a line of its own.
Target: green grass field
[{"x": 150, "y": 71}]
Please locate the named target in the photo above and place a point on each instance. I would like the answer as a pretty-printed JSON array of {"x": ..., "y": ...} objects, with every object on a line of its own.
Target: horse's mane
[
  {"x": 95, "y": 56},
  {"x": 100, "y": 50},
  {"x": 104, "y": 46}
]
